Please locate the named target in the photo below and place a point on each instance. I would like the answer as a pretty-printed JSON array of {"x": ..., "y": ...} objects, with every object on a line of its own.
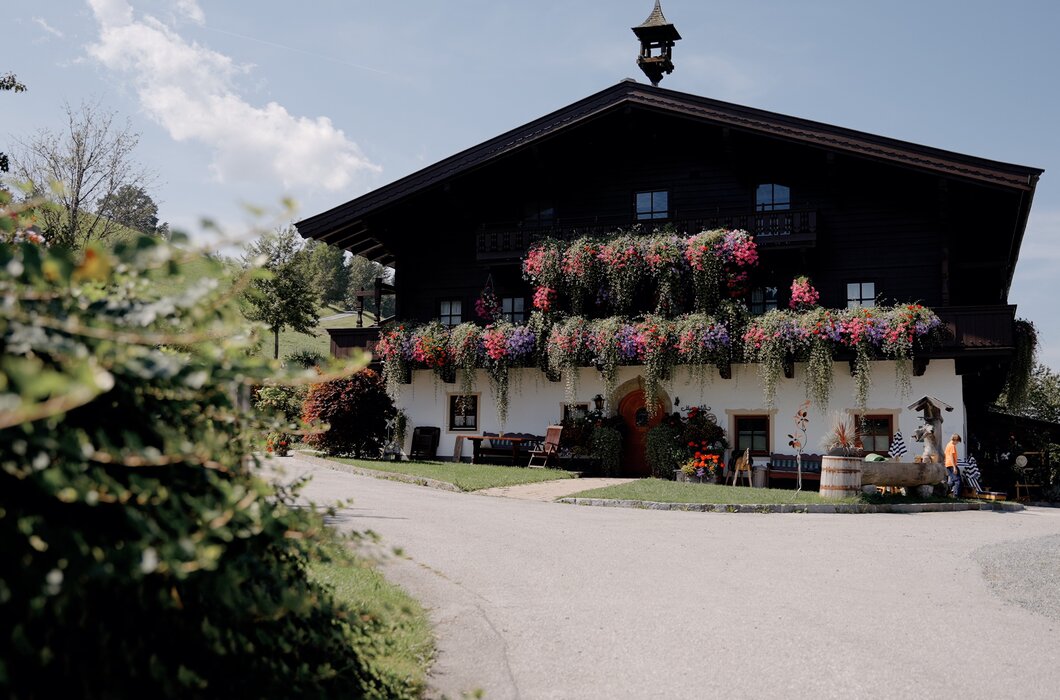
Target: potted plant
[{"x": 841, "y": 466}]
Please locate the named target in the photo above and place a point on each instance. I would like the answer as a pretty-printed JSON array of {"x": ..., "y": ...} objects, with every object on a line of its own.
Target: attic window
[
  {"x": 652, "y": 205},
  {"x": 539, "y": 213},
  {"x": 772, "y": 197}
]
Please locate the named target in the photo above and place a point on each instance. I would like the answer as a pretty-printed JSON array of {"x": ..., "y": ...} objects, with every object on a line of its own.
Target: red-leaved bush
[{"x": 356, "y": 408}]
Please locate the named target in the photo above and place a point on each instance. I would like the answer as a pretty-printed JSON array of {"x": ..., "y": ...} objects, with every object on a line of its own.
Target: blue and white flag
[
  {"x": 897, "y": 449},
  {"x": 969, "y": 470}
]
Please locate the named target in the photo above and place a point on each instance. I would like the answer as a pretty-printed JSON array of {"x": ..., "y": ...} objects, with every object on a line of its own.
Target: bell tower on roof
[{"x": 656, "y": 34}]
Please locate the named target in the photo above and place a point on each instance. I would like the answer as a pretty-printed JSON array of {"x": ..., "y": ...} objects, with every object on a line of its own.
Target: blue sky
[{"x": 248, "y": 102}]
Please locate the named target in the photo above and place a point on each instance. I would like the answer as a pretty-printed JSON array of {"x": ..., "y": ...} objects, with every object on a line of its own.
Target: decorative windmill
[{"x": 656, "y": 34}]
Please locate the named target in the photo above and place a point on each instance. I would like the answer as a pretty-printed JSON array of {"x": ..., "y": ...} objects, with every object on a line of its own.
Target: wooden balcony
[
  {"x": 344, "y": 340},
  {"x": 790, "y": 228},
  {"x": 974, "y": 331},
  {"x": 979, "y": 330}
]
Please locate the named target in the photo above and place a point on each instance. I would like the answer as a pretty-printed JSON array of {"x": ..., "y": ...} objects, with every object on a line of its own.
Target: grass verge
[
  {"x": 662, "y": 491},
  {"x": 392, "y": 626},
  {"x": 466, "y": 477}
]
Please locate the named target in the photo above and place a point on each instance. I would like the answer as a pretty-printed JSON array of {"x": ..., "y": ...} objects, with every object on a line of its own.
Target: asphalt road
[{"x": 542, "y": 600}]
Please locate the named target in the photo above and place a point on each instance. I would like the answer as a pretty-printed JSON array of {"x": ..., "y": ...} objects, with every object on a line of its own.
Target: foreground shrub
[
  {"x": 356, "y": 408},
  {"x": 141, "y": 556}
]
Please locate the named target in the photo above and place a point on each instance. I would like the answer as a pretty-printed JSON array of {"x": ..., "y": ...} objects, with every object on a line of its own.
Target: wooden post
[
  {"x": 360, "y": 311},
  {"x": 378, "y": 299}
]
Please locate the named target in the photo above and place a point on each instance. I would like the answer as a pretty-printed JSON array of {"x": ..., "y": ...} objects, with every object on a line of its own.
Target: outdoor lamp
[{"x": 598, "y": 401}]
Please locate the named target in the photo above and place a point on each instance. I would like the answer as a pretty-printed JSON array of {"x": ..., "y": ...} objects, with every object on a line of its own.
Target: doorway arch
[{"x": 630, "y": 404}]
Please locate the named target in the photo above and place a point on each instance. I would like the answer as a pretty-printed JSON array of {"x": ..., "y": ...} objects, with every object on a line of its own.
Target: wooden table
[{"x": 515, "y": 442}]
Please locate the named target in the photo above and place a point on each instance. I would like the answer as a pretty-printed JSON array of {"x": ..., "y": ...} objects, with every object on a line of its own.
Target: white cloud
[
  {"x": 40, "y": 21},
  {"x": 191, "y": 10},
  {"x": 191, "y": 91}
]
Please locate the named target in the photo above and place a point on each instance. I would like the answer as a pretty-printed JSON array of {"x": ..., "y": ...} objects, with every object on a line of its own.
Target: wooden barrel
[{"x": 840, "y": 477}]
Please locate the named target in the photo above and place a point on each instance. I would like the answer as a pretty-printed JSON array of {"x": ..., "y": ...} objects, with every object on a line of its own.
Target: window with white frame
[
  {"x": 763, "y": 299},
  {"x": 513, "y": 309},
  {"x": 652, "y": 205},
  {"x": 861, "y": 294},
  {"x": 450, "y": 312}
]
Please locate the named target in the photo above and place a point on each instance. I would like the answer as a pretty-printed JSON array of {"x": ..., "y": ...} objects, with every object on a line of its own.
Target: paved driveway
[{"x": 542, "y": 600}]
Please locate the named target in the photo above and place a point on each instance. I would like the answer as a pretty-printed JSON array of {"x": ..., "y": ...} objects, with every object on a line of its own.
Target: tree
[
  {"x": 1043, "y": 396},
  {"x": 132, "y": 207},
  {"x": 283, "y": 298},
  {"x": 327, "y": 271},
  {"x": 8, "y": 81},
  {"x": 87, "y": 163},
  {"x": 362, "y": 275}
]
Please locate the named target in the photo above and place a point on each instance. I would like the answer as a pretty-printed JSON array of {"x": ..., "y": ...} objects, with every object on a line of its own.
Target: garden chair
[
  {"x": 549, "y": 448},
  {"x": 425, "y": 442}
]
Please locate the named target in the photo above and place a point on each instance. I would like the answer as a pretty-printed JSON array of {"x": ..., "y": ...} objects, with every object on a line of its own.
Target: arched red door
[{"x": 634, "y": 413}]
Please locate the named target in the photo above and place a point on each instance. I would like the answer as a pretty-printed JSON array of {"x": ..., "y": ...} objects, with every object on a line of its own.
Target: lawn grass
[
  {"x": 394, "y": 625},
  {"x": 466, "y": 477},
  {"x": 318, "y": 341},
  {"x": 662, "y": 491}
]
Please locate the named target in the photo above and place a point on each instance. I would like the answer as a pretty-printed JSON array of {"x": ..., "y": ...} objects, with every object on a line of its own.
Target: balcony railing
[{"x": 773, "y": 229}]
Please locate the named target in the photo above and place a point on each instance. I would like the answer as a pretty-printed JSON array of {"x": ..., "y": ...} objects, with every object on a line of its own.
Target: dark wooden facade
[{"x": 919, "y": 223}]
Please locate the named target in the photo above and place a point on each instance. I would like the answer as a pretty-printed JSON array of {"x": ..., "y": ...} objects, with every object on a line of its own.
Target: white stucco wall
[{"x": 536, "y": 402}]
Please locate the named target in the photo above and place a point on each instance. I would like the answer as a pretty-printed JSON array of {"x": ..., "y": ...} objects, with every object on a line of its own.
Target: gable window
[
  {"x": 772, "y": 197},
  {"x": 752, "y": 432},
  {"x": 875, "y": 433},
  {"x": 861, "y": 294},
  {"x": 449, "y": 312},
  {"x": 513, "y": 309},
  {"x": 763, "y": 299},
  {"x": 463, "y": 412},
  {"x": 652, "y": 205}
]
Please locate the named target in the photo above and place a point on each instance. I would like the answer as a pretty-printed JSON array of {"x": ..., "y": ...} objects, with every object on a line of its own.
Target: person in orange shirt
[{"x": 953, "y": 475}]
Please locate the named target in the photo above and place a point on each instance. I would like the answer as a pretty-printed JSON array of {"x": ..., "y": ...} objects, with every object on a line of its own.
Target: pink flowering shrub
[{"x": 803, "y": 295}]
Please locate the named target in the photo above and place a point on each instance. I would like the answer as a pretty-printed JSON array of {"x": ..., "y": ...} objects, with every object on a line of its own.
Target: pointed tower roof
[{"x": 657, "y": 27}]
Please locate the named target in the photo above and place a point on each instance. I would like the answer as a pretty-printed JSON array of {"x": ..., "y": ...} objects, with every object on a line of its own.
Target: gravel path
[
  {"x": 543, "y": 600},
  {"x": 1025, "y": 573}
]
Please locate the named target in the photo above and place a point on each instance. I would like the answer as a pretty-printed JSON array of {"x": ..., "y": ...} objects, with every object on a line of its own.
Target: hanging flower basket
[{"x": 623, "y": 268}]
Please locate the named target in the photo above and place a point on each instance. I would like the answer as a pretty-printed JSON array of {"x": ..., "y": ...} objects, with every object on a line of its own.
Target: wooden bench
[
  {"x": 493, "y": 447},
  {"x": 785, "y": 468}
]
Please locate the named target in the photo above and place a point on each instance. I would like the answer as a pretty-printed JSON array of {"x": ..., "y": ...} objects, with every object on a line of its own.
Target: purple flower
[
  {"x": 714, "y": 338},
  {"x": 521, "y": 341},
  {"x": 628, "y": 343}
]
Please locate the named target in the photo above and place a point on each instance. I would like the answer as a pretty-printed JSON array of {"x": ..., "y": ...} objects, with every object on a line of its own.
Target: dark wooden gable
[{"x": 939, "y": 227}]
